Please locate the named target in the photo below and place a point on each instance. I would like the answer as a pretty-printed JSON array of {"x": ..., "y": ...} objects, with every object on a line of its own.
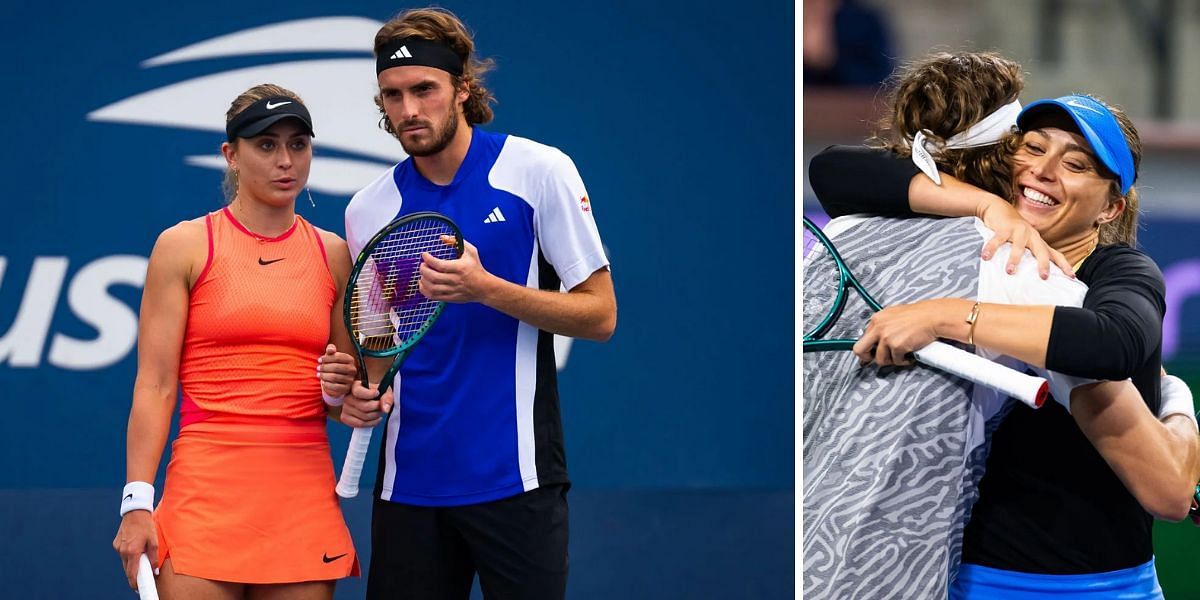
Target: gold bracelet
[{"x": 971, "y": 319}]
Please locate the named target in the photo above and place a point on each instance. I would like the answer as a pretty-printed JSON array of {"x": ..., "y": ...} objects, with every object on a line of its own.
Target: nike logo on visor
[
  {"x": 277, "y": 105},
  {"x": 1076, "y": 104}
]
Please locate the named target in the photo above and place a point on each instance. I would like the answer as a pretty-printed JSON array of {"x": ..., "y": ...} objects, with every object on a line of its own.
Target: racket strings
[
  {"x": 810, "y": 241},
  {"x": 387, "y": 307},
  {"x": 822, "y": 285}
]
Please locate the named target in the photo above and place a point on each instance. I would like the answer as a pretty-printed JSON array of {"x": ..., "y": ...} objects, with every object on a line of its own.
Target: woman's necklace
[
  {"x": 238, "y": 208},
  {"x": 1095, "y": 242}
]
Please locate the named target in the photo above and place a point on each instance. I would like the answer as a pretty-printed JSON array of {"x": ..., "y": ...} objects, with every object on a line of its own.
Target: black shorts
[{"x": 518, "y": 545}]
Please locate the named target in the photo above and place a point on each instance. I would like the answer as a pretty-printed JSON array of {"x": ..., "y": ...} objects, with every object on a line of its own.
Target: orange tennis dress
[{"x": 249, "y": 494}]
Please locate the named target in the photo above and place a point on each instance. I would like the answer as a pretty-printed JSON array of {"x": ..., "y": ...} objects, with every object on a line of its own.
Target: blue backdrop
[{"x": 679, "y": 430}]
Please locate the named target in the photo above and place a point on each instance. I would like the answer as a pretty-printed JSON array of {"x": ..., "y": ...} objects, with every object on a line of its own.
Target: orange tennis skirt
[{"x": 251, "y": 500}]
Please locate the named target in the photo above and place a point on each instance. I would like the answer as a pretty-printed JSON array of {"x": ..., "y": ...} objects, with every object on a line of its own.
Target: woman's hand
[
  {"x": 136, "y": 536},
  {"x": 336, "y": 371},
  {"x": 1002, "y": 218},
  {"x": 895, "y": 332}
]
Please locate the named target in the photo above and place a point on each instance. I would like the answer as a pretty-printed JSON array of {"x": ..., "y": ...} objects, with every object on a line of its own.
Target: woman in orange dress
[{"x": 239, "y": 308}]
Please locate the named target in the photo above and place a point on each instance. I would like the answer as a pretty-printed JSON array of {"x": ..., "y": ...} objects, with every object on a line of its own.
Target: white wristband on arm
[
  {"x": 1176, "y": 399},
  {"x": 137, "y": 495},
  {"x": 333, "y": 400}
]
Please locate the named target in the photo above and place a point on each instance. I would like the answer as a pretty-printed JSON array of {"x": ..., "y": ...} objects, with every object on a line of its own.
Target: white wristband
[
  {"x": 137, "y": 495},
  {"x": 330, "y": 400},
  {"x": 1176, "y": 399},
  {"x": 333, "y": 400}
]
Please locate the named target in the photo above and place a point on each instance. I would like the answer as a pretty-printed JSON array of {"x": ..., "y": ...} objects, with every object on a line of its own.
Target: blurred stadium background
[
  {"x": 679, "y": 430},
  {"x": 1135, "y": 53}
]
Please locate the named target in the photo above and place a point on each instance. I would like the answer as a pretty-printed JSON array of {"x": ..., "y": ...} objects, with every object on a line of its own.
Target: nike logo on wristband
[
  {"x": 127, "y": 497},
  {"x": 328, "y": 559}
]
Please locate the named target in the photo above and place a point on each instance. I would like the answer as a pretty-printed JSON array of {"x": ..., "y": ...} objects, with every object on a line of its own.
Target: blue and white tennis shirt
[{"x": 477, "y": 416}]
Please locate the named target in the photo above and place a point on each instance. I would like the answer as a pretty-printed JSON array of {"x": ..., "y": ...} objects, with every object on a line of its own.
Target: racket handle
[
  {"x": 1026, "y": 388},
  {"x": 145, "y": 580},
  {"x": 356, "y": 454}
]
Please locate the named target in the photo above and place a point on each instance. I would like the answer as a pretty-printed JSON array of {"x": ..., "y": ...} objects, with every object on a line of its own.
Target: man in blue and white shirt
[{"x": 473, "y": 474}]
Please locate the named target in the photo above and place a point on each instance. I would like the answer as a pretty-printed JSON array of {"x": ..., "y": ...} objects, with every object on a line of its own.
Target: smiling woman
[
  {"x": 1073, "y": 167},
  {"x": 1066, "y": 208},
  {"x": 1073, "y": 173},
  {"x": 238, "y": 307},
  {"x": 1100, "y": 167}
]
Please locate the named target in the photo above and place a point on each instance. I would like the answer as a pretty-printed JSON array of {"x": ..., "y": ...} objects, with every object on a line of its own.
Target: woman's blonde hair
[{"x": 1123, "y": 229}]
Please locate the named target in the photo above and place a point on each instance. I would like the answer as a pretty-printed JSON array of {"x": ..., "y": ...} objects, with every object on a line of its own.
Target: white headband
[{"x": 987, "y": 131}]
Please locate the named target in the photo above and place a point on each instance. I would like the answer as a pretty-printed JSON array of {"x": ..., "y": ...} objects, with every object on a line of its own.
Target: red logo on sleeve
[{"x": 585, "y": 205}]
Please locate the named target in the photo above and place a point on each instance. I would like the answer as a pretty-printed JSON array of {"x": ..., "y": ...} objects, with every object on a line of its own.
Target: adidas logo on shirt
[
  {"x": 402, "y": 53},
  {"x": 495, "y": 217}
]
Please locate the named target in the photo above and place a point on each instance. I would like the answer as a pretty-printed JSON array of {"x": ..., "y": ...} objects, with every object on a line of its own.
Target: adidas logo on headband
[{"x": 429, "y": 53}]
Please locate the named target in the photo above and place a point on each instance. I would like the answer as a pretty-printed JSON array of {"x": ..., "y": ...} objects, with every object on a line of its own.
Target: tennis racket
[
  {"x": 385, "y": 312},
  {"x": 145, "y": 580},
  {"x": 1026, "y": 388}
]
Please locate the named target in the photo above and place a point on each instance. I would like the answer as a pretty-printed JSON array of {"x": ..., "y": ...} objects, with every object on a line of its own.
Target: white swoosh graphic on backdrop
[
  {"x": 323, "y": 34},
  {"x": 338, "y": 93}
]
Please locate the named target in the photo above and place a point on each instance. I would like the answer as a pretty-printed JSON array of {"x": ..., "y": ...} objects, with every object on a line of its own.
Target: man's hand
[
  {"x": 460, "y": 280},
  {"x": 364, "y": 408}
]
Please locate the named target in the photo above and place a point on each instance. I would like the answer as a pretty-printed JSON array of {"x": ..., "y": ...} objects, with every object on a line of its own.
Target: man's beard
[{"x": 442, "y": 138}]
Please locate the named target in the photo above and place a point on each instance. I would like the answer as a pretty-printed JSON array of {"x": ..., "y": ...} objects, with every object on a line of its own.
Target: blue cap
[{"x": 1098, "y": 126}]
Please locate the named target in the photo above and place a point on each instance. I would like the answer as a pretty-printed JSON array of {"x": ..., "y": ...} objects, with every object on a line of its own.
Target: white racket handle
[
  {"x": 1026, "y": 388},
  {"x": 356, "y": 454},
  {"x": 145, "y": 580}
]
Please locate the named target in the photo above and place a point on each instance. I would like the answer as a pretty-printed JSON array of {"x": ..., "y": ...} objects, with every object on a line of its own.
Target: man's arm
[{"x": 588, "y": 310}]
